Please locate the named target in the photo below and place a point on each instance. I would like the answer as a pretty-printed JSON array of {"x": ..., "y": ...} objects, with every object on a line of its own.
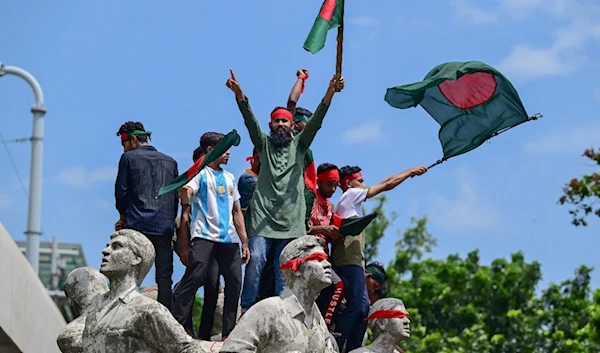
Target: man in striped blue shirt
[{"x": 216, "y": 229}]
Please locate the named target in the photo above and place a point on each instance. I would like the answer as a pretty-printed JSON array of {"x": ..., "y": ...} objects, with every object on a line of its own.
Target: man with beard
[{"x": 278, "y": 208}]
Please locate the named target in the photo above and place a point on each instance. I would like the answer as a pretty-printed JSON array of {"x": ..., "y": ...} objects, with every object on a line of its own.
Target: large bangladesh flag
[
  {"x": 330, "y": 17},
  {"x": 470, "y": 100},
  {"x": 230, "y": 140}
]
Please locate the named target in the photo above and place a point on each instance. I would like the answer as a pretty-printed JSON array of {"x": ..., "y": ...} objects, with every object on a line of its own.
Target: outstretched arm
[
  {"x": 391, "y": 182},
  {"x": 297, "y": 90},
  {"x": 256, "y": 134},
  {"x": 306, "y": 137}
]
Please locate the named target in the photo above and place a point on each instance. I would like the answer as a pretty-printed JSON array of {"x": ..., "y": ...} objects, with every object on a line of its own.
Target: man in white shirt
[
  {"x": 347, "y": 253},
  {"x": 216, "y": 221}
]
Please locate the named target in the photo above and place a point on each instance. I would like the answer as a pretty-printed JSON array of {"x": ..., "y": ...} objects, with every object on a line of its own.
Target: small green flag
[
  {"x": 330, "y": 17},
  {"x": 231, "y": 139},
  {"x": 470, "y": 100}
]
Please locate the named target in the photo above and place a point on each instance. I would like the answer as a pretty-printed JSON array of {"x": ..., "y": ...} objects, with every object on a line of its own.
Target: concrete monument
[
  {"x": 125, "y": 321},
  {"x": 388, "y": 320},
  {"x": 292, "y": 321},
  {"x": 83, "y": 287}
]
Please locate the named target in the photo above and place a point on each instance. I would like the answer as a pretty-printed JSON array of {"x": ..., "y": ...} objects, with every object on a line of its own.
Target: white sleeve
[
  {"x": 236, "y": 193},
  {"x": 356, "y": 196},
  {"x": 194, "y": 184}
]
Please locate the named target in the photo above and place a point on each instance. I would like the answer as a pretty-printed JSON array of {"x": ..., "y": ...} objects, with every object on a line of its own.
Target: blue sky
[{"x": 101, "y": 63}]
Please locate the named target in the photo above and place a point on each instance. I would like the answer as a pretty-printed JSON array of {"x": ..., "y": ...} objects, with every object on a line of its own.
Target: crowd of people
[{"x": 226, "y": 222}]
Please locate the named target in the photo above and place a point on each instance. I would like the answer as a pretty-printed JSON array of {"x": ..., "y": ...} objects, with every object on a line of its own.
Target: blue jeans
[
  {"x": 351, "y": 323},
  {"x": 259, "y": 248}
]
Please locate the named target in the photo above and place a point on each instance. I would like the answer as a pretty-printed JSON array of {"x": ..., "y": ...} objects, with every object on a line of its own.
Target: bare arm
[
  {"x": 184, "y": 227},
  {"x": 238, "y": 222},
  {"x": 391, "y": 182},
  {"x": 296, "y": 91}
]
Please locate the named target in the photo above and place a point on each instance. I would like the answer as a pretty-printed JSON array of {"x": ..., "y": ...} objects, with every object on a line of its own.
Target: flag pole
[
  {"x": 340, "y": 44},
  {"x": 535, "y": 116}
]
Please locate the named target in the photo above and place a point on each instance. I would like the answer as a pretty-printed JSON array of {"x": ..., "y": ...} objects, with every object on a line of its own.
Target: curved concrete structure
[{"x": 29, "y": 319}]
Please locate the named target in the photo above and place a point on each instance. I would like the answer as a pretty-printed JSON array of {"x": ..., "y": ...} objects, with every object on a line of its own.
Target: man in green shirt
[{"x": 278, "y": 207}]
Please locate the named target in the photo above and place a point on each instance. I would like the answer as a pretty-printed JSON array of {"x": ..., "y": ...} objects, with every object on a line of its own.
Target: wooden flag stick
[{"x": 340, "y": 44}]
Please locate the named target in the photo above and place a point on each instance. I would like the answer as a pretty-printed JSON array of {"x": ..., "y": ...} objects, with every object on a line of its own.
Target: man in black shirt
[{"x": 142, "y": 171}]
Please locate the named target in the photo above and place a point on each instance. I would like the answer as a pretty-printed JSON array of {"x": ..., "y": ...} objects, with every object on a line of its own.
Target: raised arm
[
  {"x": 306, "y": 137},
  {"x": 256, "y": 134},
  {"x": 395, "y": 180},
  {"x": 297, "y": 90}
]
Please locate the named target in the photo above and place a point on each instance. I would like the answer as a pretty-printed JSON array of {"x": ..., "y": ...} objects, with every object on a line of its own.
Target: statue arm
[
  {"x": 250, "y": 334},
  {"x": 161, "y": 324}
]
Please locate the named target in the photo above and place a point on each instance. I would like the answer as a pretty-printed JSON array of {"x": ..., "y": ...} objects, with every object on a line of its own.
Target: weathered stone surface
[
  {"x": 123, "y": 320},
  {"x": 83, "y": 286},
  {"x": 291, "y": 322},
  {"x": 387, "y": 332}
]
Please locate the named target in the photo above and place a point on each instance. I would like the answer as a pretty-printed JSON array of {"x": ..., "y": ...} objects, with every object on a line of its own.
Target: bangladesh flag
[
  {"x": 231, "y": 139},
  {"x": 330, "y": 17},
  {"x": 470, "y": 100}
]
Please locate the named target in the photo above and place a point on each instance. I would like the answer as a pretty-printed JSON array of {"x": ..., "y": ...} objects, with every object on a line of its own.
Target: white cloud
[
  {"x": 568, "y": 50},
  {"x": 465, "y": 213},
  {"x": 5, "y": 202},
  {"x": 464, "y": 9},
  {"x": 365, "y": 21},
  {"x": 80, "y": 178},
  {"x": 573, "y": 141},
  {"x": 366, "y": 133}
]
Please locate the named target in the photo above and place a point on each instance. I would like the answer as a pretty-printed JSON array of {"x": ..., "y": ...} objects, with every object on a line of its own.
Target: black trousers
[
  {"x": 202, "y": 255},
  {"x": 163, "y": 263},
  {"x": 211, "y": 296}
]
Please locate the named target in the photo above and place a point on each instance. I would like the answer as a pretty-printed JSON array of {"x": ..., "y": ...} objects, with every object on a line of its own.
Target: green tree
[
  {"x": 374, "y": 231},
  {"x": 458, "y": 304},
  {"x": 583, "y": 193},
  {"x": 197, "y": 311}
]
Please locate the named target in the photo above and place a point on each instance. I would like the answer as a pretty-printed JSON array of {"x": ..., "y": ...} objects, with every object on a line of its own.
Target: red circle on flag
[{"x": 470, "y": 90}]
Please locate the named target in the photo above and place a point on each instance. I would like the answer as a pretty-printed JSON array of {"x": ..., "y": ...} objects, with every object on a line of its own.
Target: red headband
[
  {"x": 329, "y": 175},
  {"x": 124, "y": 136},
  {"x": 351, "y": 177},
  {"x": 387, "y": 314},
  {"x": 282, "y": 113},
  {"x": 252, "y": 158},
  {"x": 295, "y": 263}
]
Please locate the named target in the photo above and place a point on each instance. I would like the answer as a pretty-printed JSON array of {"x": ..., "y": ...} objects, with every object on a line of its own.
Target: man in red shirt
[{"x": 319, "y": 223}]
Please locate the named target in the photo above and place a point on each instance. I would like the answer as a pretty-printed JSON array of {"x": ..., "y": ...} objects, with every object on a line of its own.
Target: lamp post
[{"x": 33, "y": 231}]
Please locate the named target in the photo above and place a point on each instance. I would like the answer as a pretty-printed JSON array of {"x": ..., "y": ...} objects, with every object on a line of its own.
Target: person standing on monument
[
  {"x": 347, "y": 253},
  {"x": 278, "y": 208},
  {"x": 216, "y": 231},
  {"x": 142, "y": 171}
]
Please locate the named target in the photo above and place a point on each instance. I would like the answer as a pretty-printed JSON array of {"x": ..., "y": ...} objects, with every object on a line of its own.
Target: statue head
[
  {"x": 82, "y": 286},
  {"x": 129, "y": 252},
  {"x": 303, "y": 260},
  {"x": 389, "y": 316}
]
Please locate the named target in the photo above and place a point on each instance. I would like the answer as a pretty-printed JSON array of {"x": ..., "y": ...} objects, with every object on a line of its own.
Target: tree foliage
[
  {"x": 583, "y": 194},
  {"x": 374, "y": 231},
  {"x": 459, "y": 305}
]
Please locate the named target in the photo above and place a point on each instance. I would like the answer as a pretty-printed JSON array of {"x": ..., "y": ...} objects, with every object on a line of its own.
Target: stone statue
[
  {"x": 292, "y": 321},
  {"x": 125, "y": 321},
  {"x": 388, "y": 320},
  {"x": 83, "y": 287}
]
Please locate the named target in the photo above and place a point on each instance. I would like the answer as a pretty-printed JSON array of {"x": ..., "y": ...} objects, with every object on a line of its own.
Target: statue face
[
  {"x": 402, "y": 325},
  {"x": 316, "y": 273},
  {"x": 118, "y": 258}
]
